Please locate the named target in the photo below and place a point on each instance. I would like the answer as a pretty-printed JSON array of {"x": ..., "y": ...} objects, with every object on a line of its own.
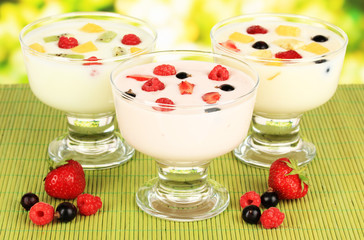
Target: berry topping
[
  {"x": 230, "y": 45},
  {"x": 219, "y": 73},
  {"x": 141, "y": 77},
  {"x": 290, "y": 54},
  {"x": 272, "y": 218},
  {"x": 260, "y": 45},
  {"x": 209, "y": 110},
  {"x": 41, "y": 213},
  {"x": 65, "y": 212},
  {"x": 185, "y": 87},
  {"x": 67, "y": 42},
  {"x": 28, "y": 200},
  {"x": 319, "y": 38},
  {"x": 165, "y": 103},
  {"x": 269, "y": 198},
  {"x": 256, "y": 29},
  {"x": 153, "y": 85},
  {"x": 226, "y": 87},
  {"x": 130, "y": 93},
  {"x": 164, "y": 70},
  {"x": 92, "y": 61},
  {"x": 211, "y": 97},
  {"x": 250, "y": 198},
  {"x": 130, "y": 39},
  {"x": 182, "y": 75},
  {"x": 88, "y": 204},
  {"x": 251, "y": 214}
]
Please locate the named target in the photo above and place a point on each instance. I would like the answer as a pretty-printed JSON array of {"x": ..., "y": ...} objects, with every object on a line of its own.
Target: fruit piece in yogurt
[
  {"x": 92, "y": 28},
  {"x": 239, "y": 37},
  {"x": 166, "y": 102},
  {"x": 289, "y": 43},
  {"x": 219, "y": 73},
  {"x": 106, "y": 37},
  {"x": 284, "y": 30},
  {"x": 153, "y": 85},
  {"x": 85, "y": 47},
  {"x": 211, "y": 97},
  {"x": 37, "y": 47},
  {"x": 290, "y": 54},
  {"x": 140, "y": 77},
  {"x": 186, "y": 87},
  {"x": 315, "y": 48},
  {"x": 256, "y": 29},
  {"x": 67, "y": 42},
  {"x": 229, "y": 44}
]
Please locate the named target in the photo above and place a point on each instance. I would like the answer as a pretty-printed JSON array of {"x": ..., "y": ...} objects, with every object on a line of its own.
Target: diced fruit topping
[
  {"x": 164, "y": 70},
  {"x": 230, "y": 45},
  {"x": 37, "y": 47},
  {"x": 269, "y": 198},
  {"x": 88, "y": 204},
  {"x": 65, "y": 212},
  {"x": 130, "y": 39},
  {"x": 135, "y": 49},
  {"x": 289, "y": 44},
  {"x": 256, "y": 29},
  {"x": 165, "y": 103},
  {"x": 53, "y": 38},
  {"x": 28, "y": 200},
  {"x": 92, "y": 61},
  {"x": 106, "y": 37},
  {"x": 66, "y": 55},
  {"x": 239, "y": 37},
  {"x": 130, "y": 93},
  {"x": 153, "y": 85},
  {"x": 251, "y": 214},
  {"x": 320, "y": 38},
  {"x": 186, "y": 87},
  {"x": 84, "y": 48},
  {"x": 284, "y": 30},
  {"x": 290, "y": 54},
  {"x": 67, "y": 42},
  {"x": 315, "y": 48},
  {"x": 211, "y": 97},
  {"x": 118, "y": 51},
  {"x": 262, "y": 53},
  {"x": 209, "y": 110},
  {"x": 250, "y": 198},
  {"x": 41, "y": 213},
  {"x": 141, "y": 77},
  {"x": 272, "y": 218},
  {"x": 219, "y": 73},
  {"x": 182, "y": 75},
  {"x": 92, "y": 28},
  {"x": 260, "y": 45}
]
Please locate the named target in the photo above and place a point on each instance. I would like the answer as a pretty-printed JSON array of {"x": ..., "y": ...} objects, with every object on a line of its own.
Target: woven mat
[{"x": 333, "y": 208}]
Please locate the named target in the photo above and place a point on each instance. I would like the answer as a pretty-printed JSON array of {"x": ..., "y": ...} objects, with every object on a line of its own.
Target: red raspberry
[
  {"x": 271, "y": 218},
  {"x": 256, "y": 29},
  {"x": 250, "y": 198},
  {"x": 92, "y": 61},
  {"x": 67, "y": 42},
  {"x": 130, "y": 39},
  {"x": 41, "y": 213},
  {"x": 164, "y": 70},
  {"x": 290, "y": 54},
  {"x": 88, "y": 204},
  {"x": 219, "y": 73},
  {"x": 166, "y": 102},
  {"x": 153, "y": 85}
]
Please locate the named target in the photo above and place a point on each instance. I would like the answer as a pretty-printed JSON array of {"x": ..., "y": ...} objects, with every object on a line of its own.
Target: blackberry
[
  {"x": 226, "y": 87},
  {"x": 28, "y": 200},
  {"x": 269, "y": 198},
  {"x": 320, "y": 38},
  {"x": 251, "y": 214},
  {"x": 66, "y": 212},
  {"x": 182, "y": 75},
  {"x": 260, "y": 45}
]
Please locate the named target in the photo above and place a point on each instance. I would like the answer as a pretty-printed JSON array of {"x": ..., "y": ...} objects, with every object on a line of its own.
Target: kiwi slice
[
  {"x": 106, "y": 36},
  {"x": 74, "y": 56},
  {"x": 118, "y": 51},
  {"x": 55, "y": 37}
]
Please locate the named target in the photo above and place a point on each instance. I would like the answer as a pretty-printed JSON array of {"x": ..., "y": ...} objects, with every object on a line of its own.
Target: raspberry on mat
[
  {"x": 88, "y": 204},
  {"x": 41, "y": 213},
  {"x": 250, "y": 198},
  {"x": 272, "y": 218}
]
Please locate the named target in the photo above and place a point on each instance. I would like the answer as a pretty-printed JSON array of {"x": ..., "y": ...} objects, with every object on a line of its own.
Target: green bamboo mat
[{"x": 333, "y": 208}]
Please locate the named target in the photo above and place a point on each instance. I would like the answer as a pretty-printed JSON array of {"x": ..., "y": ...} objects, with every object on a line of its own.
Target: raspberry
[
  {"x": 67, "y": 42},
  {"x": 153, "y": 85},
  {"x": 250, "y": 198},
  {"x": 272, "y": 218},
  {"x": 41, "y": 213},
  {"x": 130, "y": 39},
  {"x": 256, "y": 29},
  {"x": 92, "y": 61},
  {"x": 88, "y": 204},
  {"x": 290, "y": 54},
  {"x": 166, "y": 102},
  {"x": 164, "y": 70},
  {"x": 219, "y": 73}
]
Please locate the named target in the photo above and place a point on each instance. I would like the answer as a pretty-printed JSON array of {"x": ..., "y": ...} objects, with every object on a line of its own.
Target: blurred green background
[{"x": 181, "y": 24}]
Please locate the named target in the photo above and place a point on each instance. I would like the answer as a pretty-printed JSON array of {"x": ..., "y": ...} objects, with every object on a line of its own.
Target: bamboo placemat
[{"x": 333, "y": 208}]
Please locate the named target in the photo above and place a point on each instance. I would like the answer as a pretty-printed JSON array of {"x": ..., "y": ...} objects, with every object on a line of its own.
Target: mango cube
[
  {"x": 262, "y": 53},
  {"x": 92, "y": 28},
  {"x": 37, "y": 47},
  {"x": 134, "y": 49},
  {"x": 289, "y": 44},
  {"x": 315, "y": 48},
  {"x": 284, "y": 30},
  {"x": 239, "y": 37},
  {"x": 86, "y": 47}
]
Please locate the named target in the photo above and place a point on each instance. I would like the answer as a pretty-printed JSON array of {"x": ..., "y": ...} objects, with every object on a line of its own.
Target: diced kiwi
[
  {"x": 55, "y": 38},
  {"x": 106, "y": 36},
  {"x": 74, "y": 56},
  {"x": 118, "y": 51}
]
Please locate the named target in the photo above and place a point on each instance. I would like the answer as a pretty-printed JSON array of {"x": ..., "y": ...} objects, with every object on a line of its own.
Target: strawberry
[
  {"x": 287, "y": 180},
  {"x": 229, "y": 44},
  {"x": 165, "y": 103},
  {"x": 290, "y": 54},
  {"x": 66, "y": 181},
  {"x": 185, "y": 87},
  {"x": 140, "y": 77},
  {"x": 211, "y": 97}
]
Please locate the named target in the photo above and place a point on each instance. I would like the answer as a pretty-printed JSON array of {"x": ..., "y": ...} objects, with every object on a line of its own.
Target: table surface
[{"x": 332, "y": 209}]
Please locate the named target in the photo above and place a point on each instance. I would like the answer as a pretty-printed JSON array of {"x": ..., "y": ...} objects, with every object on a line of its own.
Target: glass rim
[
  {"x": 53, "y": 18},
  {"x": 252, "y": 74},
  {"x": 327, "y": 25}
]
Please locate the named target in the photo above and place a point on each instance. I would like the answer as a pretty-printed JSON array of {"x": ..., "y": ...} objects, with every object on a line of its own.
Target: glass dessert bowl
[
  {"x": 69, "y": 58},
  {"x": 170, "y": 106},
  {"x": 299, "y": 61}
]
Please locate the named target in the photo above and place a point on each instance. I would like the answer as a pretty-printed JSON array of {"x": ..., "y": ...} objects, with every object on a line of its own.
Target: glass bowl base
[
  {"x": 182, "y": 207},
  {"x": 264, "y": 156},
  {"x": 92, "y": 155}
]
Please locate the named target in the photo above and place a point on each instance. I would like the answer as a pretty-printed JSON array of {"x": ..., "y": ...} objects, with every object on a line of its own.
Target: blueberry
[
  {"x": 320, "y": 38},
  {"x": 226, "y": 87},
  {"x": 260, "y": 45},
  {"x": 66, "y": 212},
  {"x": 251, "y": 214},
  {"x": 269, "y": 198},
  {"x": 28, "y": 200},
  {"x": 182, "y": 75},
  {"x": 209, "y": 110}
]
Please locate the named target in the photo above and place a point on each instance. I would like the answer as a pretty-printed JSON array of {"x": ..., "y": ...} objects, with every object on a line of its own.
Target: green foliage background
[{"x": 180, "y": 23}]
